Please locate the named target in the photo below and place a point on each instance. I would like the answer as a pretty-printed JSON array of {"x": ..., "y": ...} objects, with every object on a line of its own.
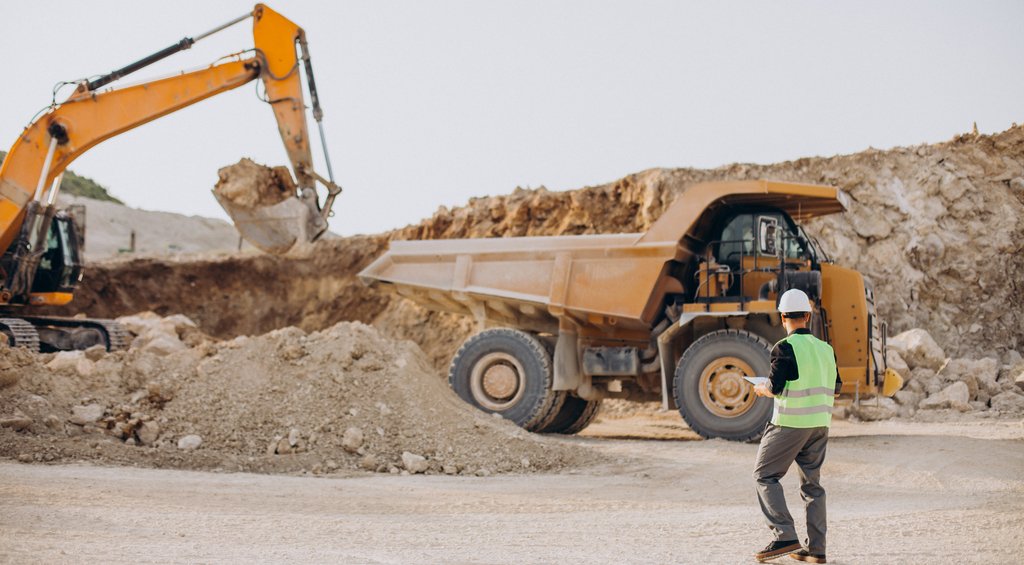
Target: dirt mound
[
  {"x": 251, "y": 185},
  {"x": 345, "y": 398},
  {"x": 930, "y": 225}
]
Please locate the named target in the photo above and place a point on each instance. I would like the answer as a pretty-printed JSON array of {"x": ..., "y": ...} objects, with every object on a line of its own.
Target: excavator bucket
[
  {"x": 273, "y": 229},
  {"x": 263, "y": 204}
]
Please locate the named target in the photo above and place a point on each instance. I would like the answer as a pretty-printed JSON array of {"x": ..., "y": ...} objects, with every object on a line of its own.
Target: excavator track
[
  {"x": 20, "y": 333},
  {"x": 115, "y": 336}
]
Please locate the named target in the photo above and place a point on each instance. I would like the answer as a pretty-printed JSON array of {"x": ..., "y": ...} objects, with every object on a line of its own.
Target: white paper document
[{"x": 757, "y": 381}]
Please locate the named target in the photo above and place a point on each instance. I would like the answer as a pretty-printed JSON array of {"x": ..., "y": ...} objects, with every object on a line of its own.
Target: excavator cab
[{"x": 60, "y": 267}]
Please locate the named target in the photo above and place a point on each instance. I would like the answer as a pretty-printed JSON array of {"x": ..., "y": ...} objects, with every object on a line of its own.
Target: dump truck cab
[{"x": 680, "y": 313}]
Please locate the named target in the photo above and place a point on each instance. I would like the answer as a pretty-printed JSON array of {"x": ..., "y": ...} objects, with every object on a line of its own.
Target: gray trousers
[{"x": 780, "y": 447}]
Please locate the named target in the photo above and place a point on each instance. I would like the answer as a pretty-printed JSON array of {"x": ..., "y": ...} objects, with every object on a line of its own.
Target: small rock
[
  {"x": 1013, "y": 357},
  {"x": 450, "y": 470},
  {"x": 96, "y": 352},
  {"x": 908, "y": 398},
  {"x": 16, "y": 422},
  {"x": 272, "y": 447},
  {"x": 414, "y": 463},
  {"x": 369, "y": 462},
  {"x": 293, "y": 352},
  {"x": 179, "y": 322},
  {"x": 1018, "y": 381},
  {"x": 918, "y": 349},
  {"x": 130, "y": 441},
  {"x": 1010, "y": 402},
  {"x": 82, "y": 415},
  {"x": 954, "y": 396},
  {"x": 164, "y": 345},
  {"x": 120, "y": 430},
  {"x": 24, "y": 458},
  {"x": 930, "y": 382},
  {"x": 352, "y": 439},
  {"x": 53, "y": 423},
  {"x": 65, "y": 360},
  {"x": 483, "y": 473},
  {"x": 190, "y": 442},
  {"x": 284, "y": 447},
  {"x": 840, "y": 411},
  {"x": 525, "y": 462},
  {"x": 148, "y": 433},
  {"x": 331, "y": 465},
  {"x": 293, "y": 437}
]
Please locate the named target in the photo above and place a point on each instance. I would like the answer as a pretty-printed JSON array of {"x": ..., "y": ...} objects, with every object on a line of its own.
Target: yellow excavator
[{"x": 41, "y": 263}]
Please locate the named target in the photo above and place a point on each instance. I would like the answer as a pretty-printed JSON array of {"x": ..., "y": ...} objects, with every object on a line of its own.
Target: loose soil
[
  {"x": 251, "y": 185},
  {"x": 283, "y": 402}
]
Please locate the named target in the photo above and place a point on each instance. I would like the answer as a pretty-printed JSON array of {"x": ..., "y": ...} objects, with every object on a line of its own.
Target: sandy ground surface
[{"x": 898, "y": 493}]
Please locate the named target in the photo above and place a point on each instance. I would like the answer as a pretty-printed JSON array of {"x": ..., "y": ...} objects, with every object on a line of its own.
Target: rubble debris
[
  {"x": 251, "y": 185},
  {"x": 191, "y": 441},
  {"x": 354, "y": 401}
]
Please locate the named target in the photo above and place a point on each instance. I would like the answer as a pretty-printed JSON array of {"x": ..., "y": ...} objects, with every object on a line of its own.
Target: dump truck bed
[
  {"x": 528, "y": 281},
  {"x": 601, "y": 280}
]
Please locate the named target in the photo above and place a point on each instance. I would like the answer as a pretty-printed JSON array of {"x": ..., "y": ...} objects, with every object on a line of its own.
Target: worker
[{"x": 803, "y": 381}]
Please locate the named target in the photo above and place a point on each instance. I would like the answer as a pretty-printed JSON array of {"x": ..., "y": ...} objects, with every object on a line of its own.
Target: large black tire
[
  {"x": 508, "y": 372},
  {"x": 575, "y": 415},
  {"x": 709, "y": 390}
]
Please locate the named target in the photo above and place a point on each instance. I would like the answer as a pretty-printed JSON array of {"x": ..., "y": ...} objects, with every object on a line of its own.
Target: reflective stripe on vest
[{"x": 807, "y": 401}]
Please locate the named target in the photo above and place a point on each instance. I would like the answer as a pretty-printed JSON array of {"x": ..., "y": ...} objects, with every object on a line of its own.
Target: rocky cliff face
[{"x": 937, "y": 228}]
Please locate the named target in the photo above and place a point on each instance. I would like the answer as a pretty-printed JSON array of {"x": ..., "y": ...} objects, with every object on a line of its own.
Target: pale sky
[{"x": 430, "y": 103}]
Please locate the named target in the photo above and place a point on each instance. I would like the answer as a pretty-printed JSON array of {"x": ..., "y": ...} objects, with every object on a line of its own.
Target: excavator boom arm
[{"x": 48, "y": 145}]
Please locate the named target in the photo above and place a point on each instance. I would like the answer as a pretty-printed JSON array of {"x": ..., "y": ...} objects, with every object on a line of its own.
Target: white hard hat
[{"x": 794, "y": 301}]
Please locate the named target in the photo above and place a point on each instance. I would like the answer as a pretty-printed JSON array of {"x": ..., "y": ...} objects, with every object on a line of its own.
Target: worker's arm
[{"x": 784, "y": 369}]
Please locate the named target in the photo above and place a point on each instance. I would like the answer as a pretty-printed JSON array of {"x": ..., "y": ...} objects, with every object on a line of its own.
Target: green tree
[{"x": 80, "y": 186}]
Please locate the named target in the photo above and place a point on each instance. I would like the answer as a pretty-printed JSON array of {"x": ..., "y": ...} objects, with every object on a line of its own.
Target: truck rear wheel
[
  {"x": 710, "y": 391},
  {"x": 575, "y": 415},
  {"x": 508, "y": 372}
]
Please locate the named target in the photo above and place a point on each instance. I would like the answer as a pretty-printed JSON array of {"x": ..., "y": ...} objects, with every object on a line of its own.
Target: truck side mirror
[{"x": 766, "y": 230}]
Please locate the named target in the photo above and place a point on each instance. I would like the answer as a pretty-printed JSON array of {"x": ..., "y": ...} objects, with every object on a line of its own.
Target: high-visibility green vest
[{"x": 807, "y": 401}]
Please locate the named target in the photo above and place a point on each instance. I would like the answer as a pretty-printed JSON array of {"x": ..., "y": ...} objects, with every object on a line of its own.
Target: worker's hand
[{"x": 762, "y": 390}]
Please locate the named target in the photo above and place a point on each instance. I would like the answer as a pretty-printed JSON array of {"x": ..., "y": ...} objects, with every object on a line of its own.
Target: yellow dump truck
[{"x": 679, "y": 314}]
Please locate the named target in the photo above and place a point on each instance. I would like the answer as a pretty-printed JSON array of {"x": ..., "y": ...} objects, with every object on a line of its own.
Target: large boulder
[
  {"x": 879, "y": 408},
  {"x": 978, "y": 374},
  {"x": 955, "y": 396},
  {"x": 895, "y": 362},
  {"x": 1009, "y": 402},
  {"x": 918, "y": 349}
]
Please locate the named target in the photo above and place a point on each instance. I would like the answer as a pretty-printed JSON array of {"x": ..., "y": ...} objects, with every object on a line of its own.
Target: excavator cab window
[{"x": 60, "y": 267}]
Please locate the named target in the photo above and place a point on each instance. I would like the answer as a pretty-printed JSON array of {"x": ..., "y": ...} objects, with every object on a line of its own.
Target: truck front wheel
[
  {"x": 710, "y": 391},
  {"x": 508, "y": 372}
]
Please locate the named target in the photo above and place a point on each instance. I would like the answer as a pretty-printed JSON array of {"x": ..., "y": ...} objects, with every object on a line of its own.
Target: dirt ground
[{"x": 899, "y": 492}]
